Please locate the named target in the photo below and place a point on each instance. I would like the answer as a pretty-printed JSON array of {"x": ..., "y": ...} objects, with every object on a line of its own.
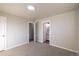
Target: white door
[{"x": 2, "y": 32}]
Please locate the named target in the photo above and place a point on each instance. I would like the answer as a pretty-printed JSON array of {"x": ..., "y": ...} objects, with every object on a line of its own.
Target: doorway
[
  {"x": 46, "y": 31},
  {"x": 31, "y": 32},
  {"x": 2, "y": 33}
]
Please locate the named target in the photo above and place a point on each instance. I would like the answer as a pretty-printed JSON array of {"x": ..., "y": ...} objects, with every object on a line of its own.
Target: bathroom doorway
[{"x": 46, "y": 31}]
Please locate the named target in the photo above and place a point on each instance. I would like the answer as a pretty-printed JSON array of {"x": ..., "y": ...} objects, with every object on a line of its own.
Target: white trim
[
  {"x": 16, "y": 45},
  {"x": 40, "y": 41},
  {"x": 65, "y": 48},
  {"x": 5, "y": 38},
  {"x": 34, "y": 32},
  {"x": 6, "y": 35}
]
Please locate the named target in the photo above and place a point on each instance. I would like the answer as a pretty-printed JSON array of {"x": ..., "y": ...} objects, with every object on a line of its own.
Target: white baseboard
[
  {"x": 62, "y": 48},
  {"x": 16, "y": 45},
  {"x": 40, "y": 41},
  {"x": 65, "y": 48}
]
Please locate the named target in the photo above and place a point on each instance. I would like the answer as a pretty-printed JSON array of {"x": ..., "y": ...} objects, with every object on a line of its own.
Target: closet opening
[{"x": 31, "y": 32}]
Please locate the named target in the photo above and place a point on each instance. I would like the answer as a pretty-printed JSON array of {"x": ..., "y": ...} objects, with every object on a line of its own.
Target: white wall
[
  {"x": 63, "y": 30},
  {"x": 40, "y": 32},
  {"x": 16, "y": 30}
]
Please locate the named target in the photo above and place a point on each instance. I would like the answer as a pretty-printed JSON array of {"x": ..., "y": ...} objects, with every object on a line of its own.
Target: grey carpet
[{"x": 37, "y": 49}]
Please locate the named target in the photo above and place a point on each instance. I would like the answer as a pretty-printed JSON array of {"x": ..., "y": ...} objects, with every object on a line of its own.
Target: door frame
[
  {"x": 35, "y": 39},
  {"x": 28, "y": 31},
  {"x": 44, "y": 21},
  {"x": 5, "y": 35}
]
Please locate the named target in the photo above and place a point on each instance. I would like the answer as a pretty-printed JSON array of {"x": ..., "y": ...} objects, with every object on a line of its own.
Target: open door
[{"x": 2, "y": 33}]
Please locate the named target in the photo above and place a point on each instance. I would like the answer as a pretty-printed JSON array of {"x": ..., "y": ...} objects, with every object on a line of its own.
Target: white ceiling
[{"x": 42, "y": 9}]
